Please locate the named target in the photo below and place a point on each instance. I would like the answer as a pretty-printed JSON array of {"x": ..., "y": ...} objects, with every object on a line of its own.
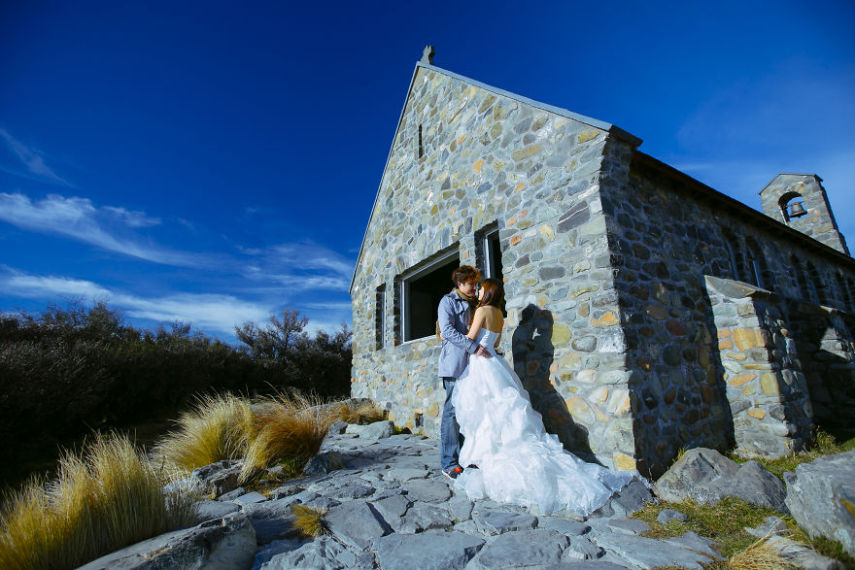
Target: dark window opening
[
  {"x": 418, "y": 420},
  {"x": 421, "y": 146},
  {"x": 819, "y": 293},
  {"x": 762, "y": 277},
  {"x": 493, "y": 251},
  {"x": 380, "y": 317},
  {"x": 421, "y": 293}
]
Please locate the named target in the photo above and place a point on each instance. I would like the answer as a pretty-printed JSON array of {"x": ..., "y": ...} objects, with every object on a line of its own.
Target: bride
[{"x": 512, "y": 458}]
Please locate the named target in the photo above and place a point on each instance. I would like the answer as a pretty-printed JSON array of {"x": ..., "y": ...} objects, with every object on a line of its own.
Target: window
[
  {"x": 493, "y": 255},
  {"x": 819, "y": 294},
  {"x": 420, "y": 292},
  {"x": 804, "y": 288},
  {"x": 734, "y": 250},
  {"x": 380, "y": 317},
  {"x": 757, "y": 263}
]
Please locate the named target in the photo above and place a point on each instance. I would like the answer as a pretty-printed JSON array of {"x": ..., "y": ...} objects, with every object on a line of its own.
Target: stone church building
[{"x": 646, "y": 312}]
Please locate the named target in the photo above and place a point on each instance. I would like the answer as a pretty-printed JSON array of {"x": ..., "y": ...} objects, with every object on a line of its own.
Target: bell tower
[{"x": 799, "y": 200}]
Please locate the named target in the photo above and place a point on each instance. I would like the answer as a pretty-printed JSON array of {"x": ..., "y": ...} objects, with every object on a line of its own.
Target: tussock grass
[
  {"x": 760, "y": 555},
  {"x": 105, "y": 498},
  {"x": 290, "y": 427},
  {"x": 218, "y": 427},
  {"x": 309, "y": 522}
]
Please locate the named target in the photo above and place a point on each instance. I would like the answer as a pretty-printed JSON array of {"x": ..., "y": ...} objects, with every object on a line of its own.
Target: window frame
[{"x": 403, "y": 283}]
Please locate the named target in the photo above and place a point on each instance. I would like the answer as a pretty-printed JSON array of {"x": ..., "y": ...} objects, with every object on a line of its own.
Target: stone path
[{"x": 388, "y": 507}]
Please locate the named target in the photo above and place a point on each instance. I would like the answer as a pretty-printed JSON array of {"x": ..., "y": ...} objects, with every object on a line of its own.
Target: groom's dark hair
[{"x": 465, "y": 274}]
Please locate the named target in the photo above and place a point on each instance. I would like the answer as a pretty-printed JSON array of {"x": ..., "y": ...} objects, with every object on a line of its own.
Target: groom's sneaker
[{"x": 453, "y": 472}]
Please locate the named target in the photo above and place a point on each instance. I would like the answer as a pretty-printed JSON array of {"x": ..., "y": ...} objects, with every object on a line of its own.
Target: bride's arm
[{"x": 476, "y": 325}]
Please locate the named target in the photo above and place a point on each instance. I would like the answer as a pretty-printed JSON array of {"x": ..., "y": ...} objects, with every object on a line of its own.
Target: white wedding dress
[{"x": 519, "y": 462}]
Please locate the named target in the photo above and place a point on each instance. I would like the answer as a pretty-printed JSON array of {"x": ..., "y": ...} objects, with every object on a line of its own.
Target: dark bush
[{"x": 70, "y": 370}]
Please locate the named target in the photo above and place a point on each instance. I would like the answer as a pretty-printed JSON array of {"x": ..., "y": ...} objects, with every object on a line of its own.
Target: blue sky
[{"x": 215, "y": 162}]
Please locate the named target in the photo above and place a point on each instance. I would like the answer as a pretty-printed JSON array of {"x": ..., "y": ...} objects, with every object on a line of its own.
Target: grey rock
[
  {"x": 771, "y": 526},
  {"x": 460, "y": 507},
  {"x": 821, "y": 496},
  {"x": 392, "y": 509},
  {"x": 706, "y": 476},
  {"x": 428, "y": 490},
  {"x": 586, "y": 565},
  {"x": 404, "y": 474},
  {"x": 354, "y": 489},
  {"x": 524, "y": 547},
  {"x": 321, "y": 503},
  {"x": 287, "y": 490},
  {"x": 631, "y": 498},
  {"x": 217, "y": 478},
  {"x": 324, "y": 552},
  {"x": 268, "y": 530},
  {"x": 220, "y": 544},
  {"x": 250, "y": 498},
  {"x": 564, "y": 526},
  {"x": 323, "y": 463},
  {"x": 232, "y": 495},
  {"x": 426, "y": 551},
  {"x": 337, "y": 428},
  {"x": 692, "y": 476},
  {"x": 667, "y": 515},
  {"x": 581, "y": 548},
  {"x": 648, "y": 552},
  {"x": 490, "y": 521},
  {"x": 376, "y": 430},
  {"x": 355, "y": 523},
  {"x": 208, "y": 510},
  {"x": 266, "y": 553},
  {"x": 421, "y": 517},
  {"x": 628, "y": 526}
]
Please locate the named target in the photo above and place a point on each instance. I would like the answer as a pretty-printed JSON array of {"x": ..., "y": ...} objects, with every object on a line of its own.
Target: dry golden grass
[
  {"x": 290, "y": 427},
  {"x": 217, "y": 427},
  {"x": 760, "y": 556},
  {"x": 309, "y": 522},
  {"x": 106, "y": 498}
]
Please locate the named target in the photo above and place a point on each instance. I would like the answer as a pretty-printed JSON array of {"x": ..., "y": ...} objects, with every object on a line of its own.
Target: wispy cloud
[
  {"x": 300, "y": 266},
  {"x": 209, "y": 312},
  {"x": 78, "y": 218},
  {"x": 31, "y": 159}
]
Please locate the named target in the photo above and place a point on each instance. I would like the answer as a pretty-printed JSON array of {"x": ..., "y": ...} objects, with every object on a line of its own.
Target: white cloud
[
  {"x": 31, "y": 159},
  {"x": 208, "y": 312},
  {"x": 79, "y": 219}
]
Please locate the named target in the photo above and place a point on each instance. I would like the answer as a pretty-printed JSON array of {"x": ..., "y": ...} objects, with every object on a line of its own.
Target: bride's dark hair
[{"x": 494, "y": 295}]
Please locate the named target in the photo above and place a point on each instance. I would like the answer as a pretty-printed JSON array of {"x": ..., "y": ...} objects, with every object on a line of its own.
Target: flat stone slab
[
  {"x": 649, "y": 552},
  {"x": 355, "y": 523},
  {"x": 324, "y": 552},
  {"x": 524, "y": 547},
  {"x": 491, "y": 521},
  {"x": 428, "y": 490},
  {"x": 426, "y": 551}
]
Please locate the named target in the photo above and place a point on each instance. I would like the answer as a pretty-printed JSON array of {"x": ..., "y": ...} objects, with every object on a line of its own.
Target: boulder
[
  {"x": 217, "y": 478},
  {"x": 323, "y": 463},
  {"x": 821, "y": 496},
  {"x": 376, "y": 430},
  {"x": 221, "y": 544},
  {"x": 707, "y": 476},
  {"x": 355, "y": 523}
]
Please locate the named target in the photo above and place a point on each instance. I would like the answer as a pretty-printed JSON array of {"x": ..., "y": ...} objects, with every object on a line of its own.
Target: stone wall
[
  {"x": 627, "y": 351},
  {"x": 487, "y": 158}
]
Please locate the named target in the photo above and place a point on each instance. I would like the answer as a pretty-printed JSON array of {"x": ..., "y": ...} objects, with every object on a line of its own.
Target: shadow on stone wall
[
  {"x": 828, "y": 363},
  {"x": 533, "y": 353}
]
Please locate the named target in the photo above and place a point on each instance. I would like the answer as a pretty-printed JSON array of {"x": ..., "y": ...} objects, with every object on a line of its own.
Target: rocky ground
[{"x": 388, "y": 507}]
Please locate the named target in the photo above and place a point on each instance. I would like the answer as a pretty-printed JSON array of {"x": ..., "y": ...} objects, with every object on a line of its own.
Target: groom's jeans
[{"x": 449, "y": 432}]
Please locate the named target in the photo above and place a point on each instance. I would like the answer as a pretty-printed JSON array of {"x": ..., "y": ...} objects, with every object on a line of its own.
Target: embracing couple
[{"x": 488, "y": 423}]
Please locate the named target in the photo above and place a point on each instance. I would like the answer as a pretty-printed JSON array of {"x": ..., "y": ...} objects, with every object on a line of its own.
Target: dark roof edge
[
  {"x": 741, "y": 208},
  {"x": 602, "y": 125}
]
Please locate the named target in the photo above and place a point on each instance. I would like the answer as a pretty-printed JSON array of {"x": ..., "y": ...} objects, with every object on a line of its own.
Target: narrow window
[
  {"x": 757, "y": 263},
  {"x": 421, "y": 146},
  {"x": 493, "y": 254},
  {"x": 380, "y": 317},
  {"x": 845, "y": 295},
  {"x": 817, "y": 285},
  {"x": 734, "y": 250},
  {"x": 421, "y": 291},
  {"x": 805, "y": 291}
]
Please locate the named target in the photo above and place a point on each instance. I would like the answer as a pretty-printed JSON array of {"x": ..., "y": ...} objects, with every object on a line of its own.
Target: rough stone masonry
[{"x": 647, "y": 312}]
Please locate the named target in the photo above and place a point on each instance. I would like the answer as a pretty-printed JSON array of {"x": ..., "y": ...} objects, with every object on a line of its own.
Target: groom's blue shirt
[{"x": 453, "y": 317}]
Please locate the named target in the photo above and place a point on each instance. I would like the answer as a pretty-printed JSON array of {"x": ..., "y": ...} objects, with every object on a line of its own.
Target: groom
[{"x": 453, "y": 315}]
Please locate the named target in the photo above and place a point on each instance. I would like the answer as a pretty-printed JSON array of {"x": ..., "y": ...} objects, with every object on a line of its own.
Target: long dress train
[{"x": 519, "y": 462}]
